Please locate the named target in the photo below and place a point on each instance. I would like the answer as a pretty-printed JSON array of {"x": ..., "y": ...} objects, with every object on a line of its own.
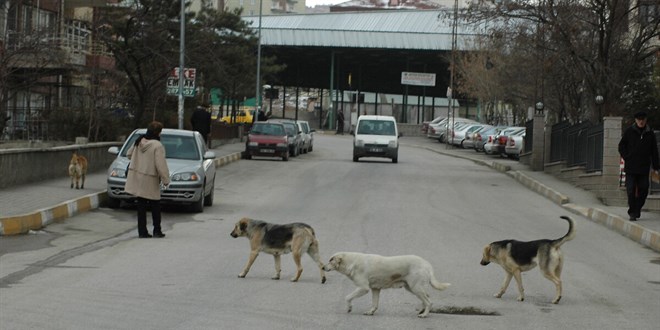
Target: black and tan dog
[
  {"x": 276, "y": 239},
  {"x": 517, "y": 257}
]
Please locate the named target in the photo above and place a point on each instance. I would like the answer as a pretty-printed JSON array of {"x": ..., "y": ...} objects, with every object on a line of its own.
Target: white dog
[{"x": 371, "y": 271}]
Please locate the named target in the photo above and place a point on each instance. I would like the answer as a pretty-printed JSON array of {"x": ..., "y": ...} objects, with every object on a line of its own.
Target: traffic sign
[{"x": 189, "y": 75}]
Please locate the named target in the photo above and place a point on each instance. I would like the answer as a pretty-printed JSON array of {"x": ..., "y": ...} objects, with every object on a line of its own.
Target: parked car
[
  {"x": 376, "y": 136},
  {"x": 479, "y": 139},
  {"x": 425, "y": 125},
  {"x": 488, "y": 138},
  {"x": 514, "y": 144},
  {"x": 293, "y": 133},
  {"x": 445, "y": 134},
  {"x": 267, "y": 139},
  {"x": 499, "y": 141},
  {"x": 191, "y": 165},
  {"x": 307, "y": 135},
  {"x": 470, "y": 138},
  {"x": 460, "y": 132}
]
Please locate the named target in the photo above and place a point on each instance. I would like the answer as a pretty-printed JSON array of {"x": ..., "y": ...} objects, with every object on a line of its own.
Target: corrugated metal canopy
[
  {"x": 395, "y": 29},
  {"x": 373, "y": 48}
]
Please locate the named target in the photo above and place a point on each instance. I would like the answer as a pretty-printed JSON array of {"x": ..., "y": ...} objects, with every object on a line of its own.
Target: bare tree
[{"x": 574, "y": 50}]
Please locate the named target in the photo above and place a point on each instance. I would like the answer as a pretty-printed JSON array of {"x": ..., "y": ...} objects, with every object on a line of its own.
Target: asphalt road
[{"x": 91, "y": 272}]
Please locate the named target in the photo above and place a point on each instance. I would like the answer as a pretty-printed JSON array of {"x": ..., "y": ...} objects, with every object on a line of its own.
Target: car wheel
[
  {"x": 311, "y": 147},
  {"x": 395, "y": 160},
  {"x": 208, "y": 199},
  {"x": 286, "y": 157},
  {"x": 114, "y": 203},
  {"x": 198, "y": 206},
  {"x": 356, "y": 158},
  {"x": 462, "y": 145}
]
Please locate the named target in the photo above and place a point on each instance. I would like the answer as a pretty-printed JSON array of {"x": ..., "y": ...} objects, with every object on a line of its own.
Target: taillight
[
  {"x": 512, "y": 143},
  {"x": 490, "y": 139}
]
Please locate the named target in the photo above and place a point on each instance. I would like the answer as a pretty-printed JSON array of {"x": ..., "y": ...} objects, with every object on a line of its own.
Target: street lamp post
[
  {"x": 257, "y": 99},
  {"x": 182, "y": 50},
  {"x": 599, "y": 102}
]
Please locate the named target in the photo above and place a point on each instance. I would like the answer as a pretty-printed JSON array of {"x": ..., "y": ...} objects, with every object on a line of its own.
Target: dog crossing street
[{"x": 410, "y": 227}]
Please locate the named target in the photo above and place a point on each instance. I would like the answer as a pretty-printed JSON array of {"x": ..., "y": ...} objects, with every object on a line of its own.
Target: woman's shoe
[
  {"x": 145, "y": 235},
  {"x": 158, "y": 235}
]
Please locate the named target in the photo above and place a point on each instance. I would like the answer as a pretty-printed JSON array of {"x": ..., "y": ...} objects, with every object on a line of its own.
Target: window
[{"x": 649, "y": 12}]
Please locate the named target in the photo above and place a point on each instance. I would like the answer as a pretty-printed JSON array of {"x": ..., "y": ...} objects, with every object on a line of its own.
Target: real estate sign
[{"x": 188, "y": 82}]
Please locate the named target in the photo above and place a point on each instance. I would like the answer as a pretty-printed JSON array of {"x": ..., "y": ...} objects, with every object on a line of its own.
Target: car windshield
[
  {"x": 267, "y": 129},
  {"x": 176, "y": 146},
  {"x": 376, "y": 127},
  {"x": 291, "y": 129}
]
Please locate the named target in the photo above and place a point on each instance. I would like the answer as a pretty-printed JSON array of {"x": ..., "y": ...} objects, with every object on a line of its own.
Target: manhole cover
[{"x": 463, "y": 311}]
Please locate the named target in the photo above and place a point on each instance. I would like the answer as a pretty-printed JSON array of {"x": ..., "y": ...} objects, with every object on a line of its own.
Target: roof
[{"x": 400, "y": 29}]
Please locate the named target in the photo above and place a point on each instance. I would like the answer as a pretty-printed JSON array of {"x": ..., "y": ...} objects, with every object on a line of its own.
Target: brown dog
[
  {"x": 517, "y": 257},
  {"x": 78, "y": 170},
  {"x": 275, "y": 239}
]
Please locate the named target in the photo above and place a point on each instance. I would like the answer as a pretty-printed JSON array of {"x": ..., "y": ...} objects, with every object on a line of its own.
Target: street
[{"x": 92, "y": 272}]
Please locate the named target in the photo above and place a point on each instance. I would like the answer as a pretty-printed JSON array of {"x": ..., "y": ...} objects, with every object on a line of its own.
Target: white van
[{"x": 376, "y": 136}]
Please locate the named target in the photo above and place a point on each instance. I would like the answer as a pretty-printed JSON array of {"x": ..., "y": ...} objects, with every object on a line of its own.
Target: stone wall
[{"x": 25, "y": 165}]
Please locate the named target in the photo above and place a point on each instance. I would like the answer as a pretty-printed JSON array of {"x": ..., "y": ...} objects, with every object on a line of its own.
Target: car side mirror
[
  {"x": 209, "y": 155},
  {"x": 113, "y": 150}
]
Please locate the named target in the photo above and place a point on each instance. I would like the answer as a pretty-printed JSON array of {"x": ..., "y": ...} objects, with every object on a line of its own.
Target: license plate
[
  {"x": 267, "y": 151},
  {"x": 375, "y": 150}
]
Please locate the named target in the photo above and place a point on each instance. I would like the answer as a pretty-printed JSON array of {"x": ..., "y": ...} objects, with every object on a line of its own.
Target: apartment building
[
  {"x": 47, "y": 59},
  {"x": 251, "y": 7}
]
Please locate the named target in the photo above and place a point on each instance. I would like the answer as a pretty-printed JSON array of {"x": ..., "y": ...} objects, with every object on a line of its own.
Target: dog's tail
[
  {"x": 569, "y": 235},
  {"x": 438, "y": 285}
]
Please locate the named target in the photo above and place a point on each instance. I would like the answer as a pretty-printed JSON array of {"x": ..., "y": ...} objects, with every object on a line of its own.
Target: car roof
[
  {"x": 376, "y": 117},
  {"x": 168, "y": 131}
]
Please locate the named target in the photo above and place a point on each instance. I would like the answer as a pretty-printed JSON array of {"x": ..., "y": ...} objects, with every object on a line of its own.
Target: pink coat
[{"x": 147, "y": 170}]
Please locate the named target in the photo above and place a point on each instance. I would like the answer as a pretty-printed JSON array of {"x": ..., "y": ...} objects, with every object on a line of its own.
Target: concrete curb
[
  {"x": 635, "y": 232},
  {"x": 22, "y": 224}
]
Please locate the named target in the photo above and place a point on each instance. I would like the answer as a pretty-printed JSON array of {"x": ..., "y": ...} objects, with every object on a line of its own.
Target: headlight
[
  {"x": 282, "y": 145},
  {"x": 253, "y": 144},
  {"x": 392, "y": 144},
  {"x": 359, "y": 143},
  {"x": 188, "y": 176},
  {"x": 118, "y": 173}
]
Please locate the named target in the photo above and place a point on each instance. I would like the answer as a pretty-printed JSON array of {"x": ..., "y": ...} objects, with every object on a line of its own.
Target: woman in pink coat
[{"x": 146, "y": 171}]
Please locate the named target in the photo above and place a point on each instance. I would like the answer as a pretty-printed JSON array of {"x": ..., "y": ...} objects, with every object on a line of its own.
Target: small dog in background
[
  {"x": 375, "y": 272},
  {"x": 297, "y": 238},
  {"x": 78, "y": 170},
  {"x": 517, "y": 257}
]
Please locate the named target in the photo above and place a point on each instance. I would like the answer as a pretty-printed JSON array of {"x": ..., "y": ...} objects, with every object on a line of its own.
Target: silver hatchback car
[{"x": 191, "y": 165}]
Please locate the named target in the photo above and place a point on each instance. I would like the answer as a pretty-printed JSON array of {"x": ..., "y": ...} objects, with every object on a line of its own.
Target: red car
[{"x": 267, "y": 139}]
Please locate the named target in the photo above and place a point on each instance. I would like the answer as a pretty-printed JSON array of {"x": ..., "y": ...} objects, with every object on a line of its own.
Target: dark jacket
[
  {"x": 638, "y": 147},
  {"x": 201, "y": 121}
]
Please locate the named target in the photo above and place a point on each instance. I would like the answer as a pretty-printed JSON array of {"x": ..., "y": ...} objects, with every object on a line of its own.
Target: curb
[
  {"x": 22, "y": 224},
  {"x": 635, "y": 232}
]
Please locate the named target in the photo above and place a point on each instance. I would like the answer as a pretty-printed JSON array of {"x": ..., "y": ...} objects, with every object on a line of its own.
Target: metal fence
[{"x": 578, "y": 145}]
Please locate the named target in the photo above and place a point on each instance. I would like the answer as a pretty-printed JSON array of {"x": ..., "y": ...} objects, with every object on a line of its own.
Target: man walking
[
  {"x": 201, "y": 122},
  {"x": 639, "y": 150},
  {"x": 340, "y": 122}
]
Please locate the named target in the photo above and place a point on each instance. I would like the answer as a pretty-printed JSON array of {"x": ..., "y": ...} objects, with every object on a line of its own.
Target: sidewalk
[{"x": 32, "y": 207}]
